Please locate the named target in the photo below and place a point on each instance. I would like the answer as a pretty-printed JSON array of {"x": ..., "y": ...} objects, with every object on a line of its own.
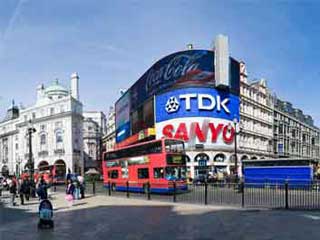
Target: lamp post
[
  {"x": 235, "y": 121},
  {"x": 30, "y": 131}
]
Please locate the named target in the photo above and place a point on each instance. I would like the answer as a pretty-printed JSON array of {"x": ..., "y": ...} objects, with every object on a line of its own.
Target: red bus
[
  {"x": 159, "y": 163},
  {"x": 51, "y": 173}
]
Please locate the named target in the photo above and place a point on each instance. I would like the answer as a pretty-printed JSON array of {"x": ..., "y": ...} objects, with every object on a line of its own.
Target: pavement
[{"x": 105, "y": 217}]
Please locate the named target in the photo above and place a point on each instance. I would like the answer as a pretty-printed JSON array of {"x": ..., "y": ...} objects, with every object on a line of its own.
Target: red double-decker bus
[{"x": 160, "y": 163}]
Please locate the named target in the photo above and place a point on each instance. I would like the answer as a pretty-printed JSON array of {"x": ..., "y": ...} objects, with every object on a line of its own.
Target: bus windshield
[
  {"x": 174, "y": 146},
  {"x": 175, "y": 173}
]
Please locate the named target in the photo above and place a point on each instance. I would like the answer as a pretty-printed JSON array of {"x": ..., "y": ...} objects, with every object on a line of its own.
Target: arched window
[
  {"x": 219, "y": 158},
  {"x": 201, "y": 156},
  {"x": 244, "y": 157},
  {"x": 254, "y": 158}
]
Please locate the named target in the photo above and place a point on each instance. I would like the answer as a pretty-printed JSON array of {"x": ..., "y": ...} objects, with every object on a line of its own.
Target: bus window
[
  {"x": 158, "y": 173},
  {"x": 113, "y": 174},
  {"x": 173, "y": 173},
  {"x": 143, "y": 173},
  {"x": 124, "y": 169},
  {"x": 174, "y": 146}
]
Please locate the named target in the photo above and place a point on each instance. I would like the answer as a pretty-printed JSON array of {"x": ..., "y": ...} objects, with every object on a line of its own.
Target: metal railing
[{"x": 277, "y": 196}]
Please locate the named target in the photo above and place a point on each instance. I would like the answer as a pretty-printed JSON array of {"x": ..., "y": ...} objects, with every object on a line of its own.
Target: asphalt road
[{"x": 102, "y": 217}]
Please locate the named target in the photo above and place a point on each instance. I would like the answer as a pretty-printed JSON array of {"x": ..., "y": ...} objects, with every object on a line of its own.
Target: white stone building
[
  {"x": 94, "y": 127},
  {"x": 256, "y": 118},
  {"x": 109, "y": 140},
  {"x": 57, "y": 119}
]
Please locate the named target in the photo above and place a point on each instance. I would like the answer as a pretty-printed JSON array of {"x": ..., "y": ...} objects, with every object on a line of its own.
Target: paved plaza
[{"x": 103, "y": 217}]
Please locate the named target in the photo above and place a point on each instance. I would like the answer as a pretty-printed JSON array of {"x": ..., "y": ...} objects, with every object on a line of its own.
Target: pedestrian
[
  {"x": 13, "y": 191},
  {"x": 27, "y": 188},
  {"x": 69, "y": 192},
  {"x": 21, "y": 190},
  {"x": 42, "y": 189},
  {"x": 76, "y": 193},
  {"x": 82, "y": 186}
]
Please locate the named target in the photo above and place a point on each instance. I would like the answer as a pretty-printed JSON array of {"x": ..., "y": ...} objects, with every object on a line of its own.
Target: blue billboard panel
[
  {"x": 122, "y": 110},
  {"x": 197, "y": 102},
  {"x": 123, "y": 132}
]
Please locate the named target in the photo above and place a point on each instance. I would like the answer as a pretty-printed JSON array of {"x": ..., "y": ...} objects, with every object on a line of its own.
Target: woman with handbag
[{"x": 69, "y": 192}]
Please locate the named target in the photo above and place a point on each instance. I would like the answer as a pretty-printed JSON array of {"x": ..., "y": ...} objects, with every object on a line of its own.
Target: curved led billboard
[
  {"x": 180, "y": 69},
  {"x": 198, "y": 116}
]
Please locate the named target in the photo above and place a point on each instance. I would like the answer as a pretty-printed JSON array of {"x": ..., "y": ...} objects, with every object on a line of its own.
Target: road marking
[{"x": 313, "y": 217}]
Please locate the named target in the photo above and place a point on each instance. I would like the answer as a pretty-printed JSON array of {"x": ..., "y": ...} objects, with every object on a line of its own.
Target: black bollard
[{"x": 93, "y": 187}]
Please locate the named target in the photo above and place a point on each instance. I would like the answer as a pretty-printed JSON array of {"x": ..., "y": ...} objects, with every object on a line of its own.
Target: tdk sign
[
  {"x": 197, "y": 102},
  {"x": 173, "y": 104}
]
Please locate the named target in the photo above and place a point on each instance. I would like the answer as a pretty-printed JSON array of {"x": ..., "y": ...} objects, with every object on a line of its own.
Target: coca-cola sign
[
  {"x": 176, "y": 68},
  {"x": 191, "y": 65}
]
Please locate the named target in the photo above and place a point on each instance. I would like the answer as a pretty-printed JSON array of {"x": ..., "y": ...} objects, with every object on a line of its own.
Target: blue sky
[{"x": 112, "y": 43}]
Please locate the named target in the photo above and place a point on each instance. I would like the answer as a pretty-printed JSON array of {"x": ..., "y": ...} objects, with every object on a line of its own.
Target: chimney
[
  {"x": 221, "y": 61},
  {"x": 75, "y": 85}
]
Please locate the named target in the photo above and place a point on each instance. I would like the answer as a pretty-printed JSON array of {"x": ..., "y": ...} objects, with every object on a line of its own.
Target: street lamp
[
  {"x": 30, "y": 131},
  {"x": 235, "y": 121},
  {"x": 236, "y": 132}
]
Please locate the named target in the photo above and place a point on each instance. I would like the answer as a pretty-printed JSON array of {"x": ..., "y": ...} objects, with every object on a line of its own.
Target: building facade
[
  {"x": 57, "y": 118},
  {"x": 94, "y": 128},
  {"x": 294, "y": 132},
  {"x": 109, "y": 139},
  {"x": 216, "y": 118},
  {"x": 256, "y": 118}
]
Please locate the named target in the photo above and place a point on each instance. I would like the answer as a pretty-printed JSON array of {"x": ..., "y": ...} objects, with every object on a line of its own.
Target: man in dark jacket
[
  {"x": 27, "y": 188},
  {"x": 22, "y": 187}
]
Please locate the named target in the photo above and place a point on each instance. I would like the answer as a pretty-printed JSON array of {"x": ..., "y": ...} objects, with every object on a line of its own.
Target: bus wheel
[{"x": 113, "y": 187}]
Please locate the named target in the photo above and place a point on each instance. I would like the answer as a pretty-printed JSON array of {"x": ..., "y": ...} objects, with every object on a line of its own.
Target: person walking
[
  {"x": 27, "y": 188},
  {"x": 21, "y": 190},
  {"x": 82, "y": 186},
  {"x": 42, "y": 189},
  {"x": 13, "y": 191},
  {"x": 69, "y": 192}
]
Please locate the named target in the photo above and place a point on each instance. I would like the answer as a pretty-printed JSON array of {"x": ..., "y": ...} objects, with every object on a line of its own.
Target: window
[
  {"x": 143, "y": 173},
  {"x": 59, "y": 137},
  {"x": 43, "y": 139},
  {"x": 17, "y": 146},
  {"x": 61, "y": 108},
  {"x": 124, "y": 169},
  {"x": 158, "y": 173},
  {"x": 175, "y": 173},
  {"x": 144, "y": 149},
  {"x": 174, "y": 146},
  {"x": 33, "y": 115},
  {"x": 51, "y": 111},
  {"x": 113, "y": 174},
  {"x": 219, "y": 158}
]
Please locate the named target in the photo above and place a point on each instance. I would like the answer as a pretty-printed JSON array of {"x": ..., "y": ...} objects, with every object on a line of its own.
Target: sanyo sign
[{"x": 196, "y": 102}]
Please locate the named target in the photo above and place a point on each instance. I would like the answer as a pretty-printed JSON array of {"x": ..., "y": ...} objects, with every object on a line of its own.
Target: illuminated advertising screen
[
  {"x": 122, "y": 117},
  {"x": 197, "y": 116},
  {"x": 177, "y": 70}
]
